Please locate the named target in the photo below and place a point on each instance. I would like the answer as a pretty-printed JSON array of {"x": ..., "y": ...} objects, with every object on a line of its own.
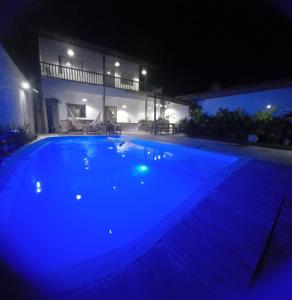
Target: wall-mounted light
[
  {"x": 124, "y": 106},
  {"x": 108, "y": 72},
  {"x": 269, "y": 106},
  {"x": 136, "y": 79},
  {"x": 117, "y": 64},
  {"x": 70, "y": 52},
  {"x": 25, "y": 85},
  {"x": 84, "y": 100},
  {"x": 144, "y": 72}
]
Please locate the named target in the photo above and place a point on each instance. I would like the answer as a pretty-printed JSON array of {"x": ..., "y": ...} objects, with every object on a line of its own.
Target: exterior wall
[
  {"x": 281, "y": 99},
  {"x": 51, "y": 50},
  {"x": 130, "y": 105},
  {"x": 16, "y": 104},
  {"x": 72, "y": 92},
  {"x": 174, "y": 112}
]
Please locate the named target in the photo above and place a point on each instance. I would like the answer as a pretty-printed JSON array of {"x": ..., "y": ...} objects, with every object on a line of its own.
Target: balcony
[{"x": 77, "y": 75}]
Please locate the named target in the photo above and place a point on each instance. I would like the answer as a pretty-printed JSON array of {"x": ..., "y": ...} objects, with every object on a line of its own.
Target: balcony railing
[{"x": 77, "y": 75}]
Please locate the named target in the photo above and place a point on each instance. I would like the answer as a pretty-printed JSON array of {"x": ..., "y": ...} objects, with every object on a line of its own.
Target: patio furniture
[{"x": 112, "y": 128}]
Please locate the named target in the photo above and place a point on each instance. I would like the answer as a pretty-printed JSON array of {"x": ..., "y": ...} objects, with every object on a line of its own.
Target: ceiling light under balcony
[
  {"x": 84, "y": 100},
  {"x": 124, "y": 106},
  {"x": 108, "y": 72},
  {"x": 117, "y": 63},
  {"x": 70, "y": 52},
  {"x": 144, "y": 72}
]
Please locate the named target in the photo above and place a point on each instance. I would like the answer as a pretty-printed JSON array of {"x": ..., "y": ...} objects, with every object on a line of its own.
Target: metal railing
[{"x": 77, "y": 75}]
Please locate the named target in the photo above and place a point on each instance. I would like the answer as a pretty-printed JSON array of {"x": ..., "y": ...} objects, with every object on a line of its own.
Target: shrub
[
  {"x": 238, "y": 125},
  {"x": 12, "y": 138}
]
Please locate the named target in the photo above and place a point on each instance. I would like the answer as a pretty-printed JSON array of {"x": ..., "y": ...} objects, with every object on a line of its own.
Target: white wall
[
  {"x": 50, "y": 50},
  {"x": 16, "y": 105},
  {"x": 73, "y": 92},
  {"x": 280, "y": 98},
  {"x": 173, "y": 111}
]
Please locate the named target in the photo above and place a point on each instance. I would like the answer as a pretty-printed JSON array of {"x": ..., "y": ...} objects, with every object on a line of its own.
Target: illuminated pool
[{"x": 68, "y": 199}]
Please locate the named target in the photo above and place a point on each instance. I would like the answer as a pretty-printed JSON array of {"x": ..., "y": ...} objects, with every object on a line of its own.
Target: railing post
[
  {"x": 155, "y": 124},
  {"x": 104, "y": 90}
]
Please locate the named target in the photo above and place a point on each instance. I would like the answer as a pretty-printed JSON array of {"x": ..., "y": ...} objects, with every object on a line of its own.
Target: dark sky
[{"x": 192, "y": 44}]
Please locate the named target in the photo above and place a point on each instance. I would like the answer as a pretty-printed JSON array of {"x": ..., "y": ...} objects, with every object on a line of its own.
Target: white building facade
[{"x": 87, "y": 81}]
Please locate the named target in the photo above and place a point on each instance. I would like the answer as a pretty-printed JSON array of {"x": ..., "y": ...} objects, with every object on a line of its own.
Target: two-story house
[{"x": 87, "y": 81}]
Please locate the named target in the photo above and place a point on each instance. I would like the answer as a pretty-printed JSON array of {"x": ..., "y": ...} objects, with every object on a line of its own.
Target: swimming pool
[{"x": 65, "y": 200}]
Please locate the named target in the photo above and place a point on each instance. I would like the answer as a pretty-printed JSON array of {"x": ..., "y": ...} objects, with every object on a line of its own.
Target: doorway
[
  {"x": 52, "y": 114},
  {"x": 111, "y": 114}
]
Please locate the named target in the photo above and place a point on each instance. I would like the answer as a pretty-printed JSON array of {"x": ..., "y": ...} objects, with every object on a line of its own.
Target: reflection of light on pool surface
[
  {"x": 38, "y": 187},
  {"x": 132, "y": 192}
]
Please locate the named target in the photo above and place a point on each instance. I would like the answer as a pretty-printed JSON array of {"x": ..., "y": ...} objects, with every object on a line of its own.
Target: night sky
[{"x": 191, "y": 45}]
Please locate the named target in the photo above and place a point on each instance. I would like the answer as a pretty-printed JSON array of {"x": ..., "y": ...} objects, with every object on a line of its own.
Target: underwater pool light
[{"x": 142, "y": 168}]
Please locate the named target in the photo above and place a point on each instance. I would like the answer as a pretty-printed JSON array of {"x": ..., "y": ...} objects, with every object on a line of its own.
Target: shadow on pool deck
[{"x": 214, "y": 250}]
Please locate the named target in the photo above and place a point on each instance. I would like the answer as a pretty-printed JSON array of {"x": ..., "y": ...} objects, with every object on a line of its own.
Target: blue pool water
[{"x": 67, "y": 199}]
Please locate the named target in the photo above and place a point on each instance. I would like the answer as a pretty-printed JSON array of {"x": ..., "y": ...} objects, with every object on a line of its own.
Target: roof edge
[{"x": 240, "y": 89}]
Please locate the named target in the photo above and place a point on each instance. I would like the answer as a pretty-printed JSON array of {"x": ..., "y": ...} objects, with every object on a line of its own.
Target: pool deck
[{"x": 214, "y": 250}]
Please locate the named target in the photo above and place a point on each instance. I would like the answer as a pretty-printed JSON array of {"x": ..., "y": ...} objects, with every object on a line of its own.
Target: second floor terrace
[
  {"x": 73, "y": 60},
  {"x": 78, "y": 75}
]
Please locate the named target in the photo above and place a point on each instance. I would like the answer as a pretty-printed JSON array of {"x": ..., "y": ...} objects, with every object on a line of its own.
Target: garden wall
[{"x": 253, "y": 102}]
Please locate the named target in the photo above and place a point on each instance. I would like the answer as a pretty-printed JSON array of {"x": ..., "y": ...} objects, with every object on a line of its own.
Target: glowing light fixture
[
  {"x": 124, "y": 106},
  {"x": 78, "y": 197},
  {"x": 70, "y": 52},
  {"x": 269, "y": 106},
  {"x": 144, "y": 72},
  {"x": 84, "y": 100},
  {"x": 142, "y": 168},
  {"x": 117, "y": 63},
  {"x": 25, "y": 85},
  {"x": 108, "y": 72}
]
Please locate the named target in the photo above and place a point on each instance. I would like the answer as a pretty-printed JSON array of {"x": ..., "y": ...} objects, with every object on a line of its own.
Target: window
[{"x": 76, "y": 110}]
